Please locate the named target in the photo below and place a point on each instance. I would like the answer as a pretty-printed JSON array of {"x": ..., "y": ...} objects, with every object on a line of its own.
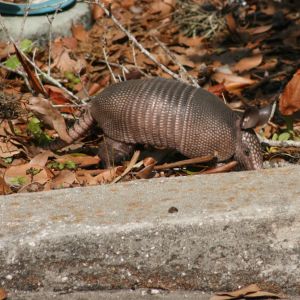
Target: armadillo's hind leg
[{"x": 113, "y": 152}]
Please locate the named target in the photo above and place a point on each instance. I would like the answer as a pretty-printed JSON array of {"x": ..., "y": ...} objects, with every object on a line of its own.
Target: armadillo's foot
[{"x": 113, "y": 152}]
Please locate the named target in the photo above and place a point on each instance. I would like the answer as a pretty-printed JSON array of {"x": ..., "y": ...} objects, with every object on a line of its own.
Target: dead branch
[
  {"x": 185, "y": 162},
  {"x": 107, "y": 63}
]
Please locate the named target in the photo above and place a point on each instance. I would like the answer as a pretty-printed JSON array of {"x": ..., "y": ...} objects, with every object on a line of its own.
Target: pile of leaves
[{"x": 245, "y": 52}]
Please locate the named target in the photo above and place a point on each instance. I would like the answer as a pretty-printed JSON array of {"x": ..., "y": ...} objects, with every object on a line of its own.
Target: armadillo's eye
[{"x": 247, "y": 152}]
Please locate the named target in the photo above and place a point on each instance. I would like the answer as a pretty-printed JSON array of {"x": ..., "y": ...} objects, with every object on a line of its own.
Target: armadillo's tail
[{"x": 78, "y": 130}]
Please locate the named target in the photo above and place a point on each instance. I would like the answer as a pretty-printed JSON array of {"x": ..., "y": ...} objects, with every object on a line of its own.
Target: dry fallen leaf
[
  {"x": 34, "y": 80},
  {"x": 41, "y": 158},
  {"x": 3, "y": 294},
  {"x": 109, "y": 175},
  {"x": 8, "y": 149},
  {"x": 250, "y": 291},
  {"x": 64, "y": 179},
  {"x": 231, "y": 81},
  {"x": 21, "y": 175},
  {"x": 248, "y": 63},
  {"x": 63, "y": 61},
  {"x": 162, "y": 6},
  {"x": 4, "y": 190},
  {"x": 79, "y": 159},
  {"x": 259, "y": 29},
  {"x": 79, "y": 32},
  {"x": 50, "y": 116},
  {"x": 289, "y": 101}
]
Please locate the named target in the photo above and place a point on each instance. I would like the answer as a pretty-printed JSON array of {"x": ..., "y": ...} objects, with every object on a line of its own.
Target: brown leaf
[
  {"x": 232, "y": 81},
  {"x": 25, "y": 174},
  {"x": 191, "y": 42},
  {"x": 81, "y": 160},
  {"x": 259, "y": 29},
  {"x": 4, "y": 190},
  {"x": 246, "y": 292},
  {"x": 109, "y": 175},
  {"x": 6, "y": 49},
  {"x": 97, "y": 86},
  {"x": 35, "y": 82},
  {"x": 41, "y": 158},
  {"x": 50, "y": 116},
  {"x": 289, "y": 101},
  {"x": 3, "y": 294},
  {"x": 80, "y": 33},
  {"x": 8, "y": 149},
  {"x": 64, "y": 179},
  {"x": 248, "y": 63},
  {"x": 127, "y": 3},
  {"x": 162, "y": 6},
  {"x": 66, "y": 64},
  {"x": 231, "y": 23},
  {"x": 59, "y": 97}
]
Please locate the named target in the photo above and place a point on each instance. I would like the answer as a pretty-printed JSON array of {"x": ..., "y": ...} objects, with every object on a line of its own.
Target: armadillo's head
[{"x": 248, "y": 150}]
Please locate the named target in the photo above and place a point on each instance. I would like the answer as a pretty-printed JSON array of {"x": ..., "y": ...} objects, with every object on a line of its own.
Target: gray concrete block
[
  {"x": 230, "y": 230},
  {"x": 36, "y": 28}
]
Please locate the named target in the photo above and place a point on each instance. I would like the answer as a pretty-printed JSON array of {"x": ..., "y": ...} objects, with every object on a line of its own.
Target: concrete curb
[
  {"x": 230, "y": 230},
  {"x": 36, "y": 28}
]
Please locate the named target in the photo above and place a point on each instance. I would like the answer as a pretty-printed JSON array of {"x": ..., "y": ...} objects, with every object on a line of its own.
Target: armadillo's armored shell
[{"x": 167, "y": 113}]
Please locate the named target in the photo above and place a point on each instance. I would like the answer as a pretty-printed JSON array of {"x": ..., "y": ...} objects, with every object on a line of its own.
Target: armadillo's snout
[{"x": 248, "y": 152}]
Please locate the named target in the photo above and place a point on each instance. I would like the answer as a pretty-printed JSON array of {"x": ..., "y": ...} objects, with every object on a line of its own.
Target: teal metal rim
[{"x": 45, "y": 7}]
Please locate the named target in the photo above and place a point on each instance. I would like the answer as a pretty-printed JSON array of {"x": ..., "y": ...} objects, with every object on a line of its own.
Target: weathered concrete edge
[{"x": 218, "y": 246}]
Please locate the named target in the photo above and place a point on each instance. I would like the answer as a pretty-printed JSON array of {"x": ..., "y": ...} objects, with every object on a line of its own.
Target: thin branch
[
  {"x": 134, "y": 40},
  {"x": 185, "y": 162},
  {"x": 107, "y": 64}
]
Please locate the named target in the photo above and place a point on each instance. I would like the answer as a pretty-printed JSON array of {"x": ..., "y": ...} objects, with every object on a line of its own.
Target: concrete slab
[
  {"x": 36, "y": 28},
  {"x": 230, "y": 230}
]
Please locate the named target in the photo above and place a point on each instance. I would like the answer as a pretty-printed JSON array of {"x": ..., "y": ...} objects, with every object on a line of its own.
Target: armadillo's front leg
[{"x": 113, "y": 152}]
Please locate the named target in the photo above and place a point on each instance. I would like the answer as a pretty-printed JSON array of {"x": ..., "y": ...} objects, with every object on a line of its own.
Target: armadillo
[{"x": 166, "y": 113}]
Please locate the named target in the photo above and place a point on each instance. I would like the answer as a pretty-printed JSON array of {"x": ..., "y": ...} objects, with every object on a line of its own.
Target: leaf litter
[{"x": 246, "y": 54}]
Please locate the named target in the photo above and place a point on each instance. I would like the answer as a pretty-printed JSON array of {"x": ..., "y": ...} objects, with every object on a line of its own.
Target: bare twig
[
  {"x": 176, "y": 62},
  {"x": 185, "y": 162},
  {"x": 279, "y": 143},
  {"x": 224, "y": 168},
  {"x": 135, "y": 61},
  {"x": 28, "y": 4},
  {"x": 50, "y": 20},
  {"x": 107, "y": 64},
  {"x": 134, "y": 40},
  {"x": 131, "y": 164}
]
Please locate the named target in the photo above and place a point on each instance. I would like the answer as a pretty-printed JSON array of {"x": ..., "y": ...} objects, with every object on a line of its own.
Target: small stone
[
  {"x": 173, "y": 210},
  {"x": 9, "y": 277}
]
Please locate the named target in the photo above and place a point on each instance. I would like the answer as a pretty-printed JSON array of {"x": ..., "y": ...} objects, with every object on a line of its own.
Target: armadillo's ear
[{"x": 253, "y": 116}]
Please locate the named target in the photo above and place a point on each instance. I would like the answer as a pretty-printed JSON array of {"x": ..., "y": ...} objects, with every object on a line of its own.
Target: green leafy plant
[
  {"x": 13, "y": 62},
  {"x": 70, "y": 165},
  {"x": 72, "y": 80},
  {"x": 34, "y": 127},
  {"x": 18, "y": 180}
]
